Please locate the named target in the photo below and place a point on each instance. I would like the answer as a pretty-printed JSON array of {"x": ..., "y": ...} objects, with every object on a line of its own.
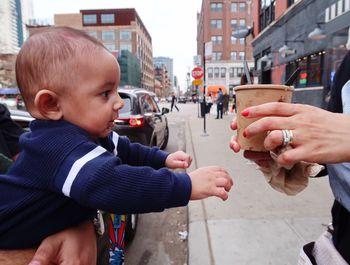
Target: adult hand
[
  {"x": 318, "y": 135},
  {"x": 262, "y": 159},
  {"x": 178, "y": 159},
  {"x": 76, "y": 245}
]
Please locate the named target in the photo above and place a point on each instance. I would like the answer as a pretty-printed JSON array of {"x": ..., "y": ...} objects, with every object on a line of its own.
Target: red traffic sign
[{"x": 197, "y": 73}]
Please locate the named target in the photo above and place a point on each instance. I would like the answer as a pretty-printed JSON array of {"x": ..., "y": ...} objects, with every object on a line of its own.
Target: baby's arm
[
  {"x": 178, "y": 159},
  {"x": 210, "y": 181}
]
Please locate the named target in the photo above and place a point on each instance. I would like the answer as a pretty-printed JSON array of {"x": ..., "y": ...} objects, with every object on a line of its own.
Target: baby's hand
[
  {"x": 210, "y": 181},
  {"x": 178, "y": 159}
]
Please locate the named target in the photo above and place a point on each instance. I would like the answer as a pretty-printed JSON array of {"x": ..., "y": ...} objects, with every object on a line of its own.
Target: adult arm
[{"x": 76, "y": 244}]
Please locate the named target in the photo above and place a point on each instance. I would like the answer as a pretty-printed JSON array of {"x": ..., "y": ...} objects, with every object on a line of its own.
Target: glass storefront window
[
  {"x": 210, "y": 72},
  {"x": 311, "y": 70},
  {"x": 223, "y": 72},
  {"x": 315, "y": 77}
]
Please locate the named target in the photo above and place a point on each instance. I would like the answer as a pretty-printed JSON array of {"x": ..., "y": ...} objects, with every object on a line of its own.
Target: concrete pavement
[{"x": 256, "y": 225}]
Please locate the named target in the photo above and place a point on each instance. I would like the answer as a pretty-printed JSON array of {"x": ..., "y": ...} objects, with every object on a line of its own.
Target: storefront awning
[{"x": 214, "y": 89}]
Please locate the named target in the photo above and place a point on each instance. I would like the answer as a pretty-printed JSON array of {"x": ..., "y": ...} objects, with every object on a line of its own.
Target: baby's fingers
[
  {"x": 224, "y": 183},
  {"x": 220, "y": 193}
]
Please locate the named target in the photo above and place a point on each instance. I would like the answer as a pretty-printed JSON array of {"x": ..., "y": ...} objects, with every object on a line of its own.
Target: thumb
[{"x": 45, "y": 255}]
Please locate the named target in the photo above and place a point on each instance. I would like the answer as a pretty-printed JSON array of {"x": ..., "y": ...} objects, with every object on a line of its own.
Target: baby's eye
[{"x": 106, "y": 93}]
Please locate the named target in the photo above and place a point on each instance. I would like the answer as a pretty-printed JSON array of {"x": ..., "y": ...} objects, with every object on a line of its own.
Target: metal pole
[
  {"x": 204, "y": 86},
  {"x": 198, "y": 110}
]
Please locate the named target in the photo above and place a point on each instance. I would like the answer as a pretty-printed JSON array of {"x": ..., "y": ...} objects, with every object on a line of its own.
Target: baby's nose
[{"x": 118, "y": 104}]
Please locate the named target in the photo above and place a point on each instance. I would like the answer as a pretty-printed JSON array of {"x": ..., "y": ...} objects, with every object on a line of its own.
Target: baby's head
[{"x": 59, "y": 67}]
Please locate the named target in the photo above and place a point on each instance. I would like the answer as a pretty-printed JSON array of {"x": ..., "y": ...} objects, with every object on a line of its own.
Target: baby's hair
[{"x": 48, "y": 58}]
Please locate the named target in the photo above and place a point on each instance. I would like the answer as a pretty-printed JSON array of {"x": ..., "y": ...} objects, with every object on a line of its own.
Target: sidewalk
[{"x": 256, "y": 225}]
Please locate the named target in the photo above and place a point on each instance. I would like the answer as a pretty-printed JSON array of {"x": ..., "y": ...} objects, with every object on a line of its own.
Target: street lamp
[{"x": 317, "y": 34}]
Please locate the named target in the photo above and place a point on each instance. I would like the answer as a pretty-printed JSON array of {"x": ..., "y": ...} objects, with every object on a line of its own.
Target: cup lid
[{"x": 262, "y": 86}]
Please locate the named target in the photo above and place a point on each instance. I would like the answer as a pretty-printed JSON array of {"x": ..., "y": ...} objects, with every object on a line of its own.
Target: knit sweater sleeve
[
  {"x": 94, "y": 177},
  {"x": 135, "y": 154}
]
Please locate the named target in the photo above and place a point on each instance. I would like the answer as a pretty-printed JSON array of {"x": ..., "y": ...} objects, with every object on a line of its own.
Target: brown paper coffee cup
[{"x": 252, "y": 95}]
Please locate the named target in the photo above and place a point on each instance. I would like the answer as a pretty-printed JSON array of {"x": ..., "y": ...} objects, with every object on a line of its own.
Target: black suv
[{"x": 141, "y": 119}]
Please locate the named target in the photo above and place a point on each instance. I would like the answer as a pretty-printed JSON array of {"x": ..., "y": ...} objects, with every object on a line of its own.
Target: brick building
[
  {"x": 118, "y": 30},
  {"x": 216, "y": 22}
]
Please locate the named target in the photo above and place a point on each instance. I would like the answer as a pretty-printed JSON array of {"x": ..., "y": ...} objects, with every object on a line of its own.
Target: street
[{"x": 158, "y": 238}]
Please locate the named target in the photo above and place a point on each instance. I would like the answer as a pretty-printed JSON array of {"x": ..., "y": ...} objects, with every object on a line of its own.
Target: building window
[
  {"x": 241, "y": 41},
  {"x": 233, "y": 56},
  {"x": 239, "y": 71},
  {"x": 216, "y": 72},
  {"x": 233, "y": 40},
  {"x": 241, "y": 56},
  {"x": 242, "y": 23},
  {"x": 216, "y": 40},
  {"x": 92, "y": 33},
  {"x": 125, "y": 35},
  {"x": 266, "y": 13},
  {"x": 233, "y": 7},
  {"x": 110, "y": 46},
  {"x": 217, "y": 56},
  {"x": 223, "y": 72},
  {"x": 210, "y": 72},
  {"x": 89, "y": 19},
  {"x": 108, "y": 35},
  {"x": 126, "y": 46},
  {"x": 107, "y": 19},
  {"x": 216, "y": 7},
  {"x": 241, "y": 7},
  {"x": 216, "y": 23},
  {"x": 233, "y": 23},
  {"x": 231, "y": 72}
]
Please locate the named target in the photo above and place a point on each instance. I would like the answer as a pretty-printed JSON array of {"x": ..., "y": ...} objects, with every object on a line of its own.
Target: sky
[{"x": 171, "y": 24}]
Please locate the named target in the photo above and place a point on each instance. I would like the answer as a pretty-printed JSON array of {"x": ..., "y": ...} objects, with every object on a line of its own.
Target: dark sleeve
[
  {"x": 103, "y": 183},
  {"x": 9, "y": 133},
  {"x": 136, "y": 154},
  {"x": 342, "y": 75}
]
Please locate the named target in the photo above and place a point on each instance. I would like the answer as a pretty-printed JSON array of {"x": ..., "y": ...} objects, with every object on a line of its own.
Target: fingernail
[
  {"x": 244, "y": 134},
  {"x": 245, "y": 113}
]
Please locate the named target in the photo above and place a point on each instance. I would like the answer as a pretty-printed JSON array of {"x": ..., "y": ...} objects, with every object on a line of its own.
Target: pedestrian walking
[
  {"x": 173, "y": 102},
  {"x": 219, "y": 104}
]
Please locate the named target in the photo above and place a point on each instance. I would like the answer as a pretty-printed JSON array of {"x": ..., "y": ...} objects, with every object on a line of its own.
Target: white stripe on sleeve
[
  {"x": 74, "y": 171},
  {"x": 115, "y": 139}
]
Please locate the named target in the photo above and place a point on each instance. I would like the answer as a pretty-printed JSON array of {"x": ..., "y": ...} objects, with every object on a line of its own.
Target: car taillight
[{"x": 135, "y": 122}]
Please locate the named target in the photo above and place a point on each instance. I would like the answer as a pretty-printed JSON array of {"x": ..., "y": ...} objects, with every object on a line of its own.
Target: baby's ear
[{"x": 47, "y": 104}]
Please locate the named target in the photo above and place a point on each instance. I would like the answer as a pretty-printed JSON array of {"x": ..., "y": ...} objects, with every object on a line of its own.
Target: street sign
[
  {"x": 197, "y": 82},
  {"x": 197, "y": 73},
  {"x": 197, "y": 60}
]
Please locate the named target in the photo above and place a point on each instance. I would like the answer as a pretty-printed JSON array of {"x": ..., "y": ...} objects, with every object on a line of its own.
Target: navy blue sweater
[{"x": 61, "y": 176}]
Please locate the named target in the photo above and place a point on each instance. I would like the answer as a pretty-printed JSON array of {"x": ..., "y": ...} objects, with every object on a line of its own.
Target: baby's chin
[{"x": 103, "y": 134}]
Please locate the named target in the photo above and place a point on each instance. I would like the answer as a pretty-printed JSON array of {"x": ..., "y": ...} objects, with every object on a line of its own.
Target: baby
[{"x": 71, "y": 162}]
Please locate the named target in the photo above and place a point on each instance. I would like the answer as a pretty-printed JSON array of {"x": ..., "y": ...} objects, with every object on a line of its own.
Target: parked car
[
  {"x": 141, "y": 119},
  {"x": 182, "y": 99},
  {"x": 22, "y": 117}
]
